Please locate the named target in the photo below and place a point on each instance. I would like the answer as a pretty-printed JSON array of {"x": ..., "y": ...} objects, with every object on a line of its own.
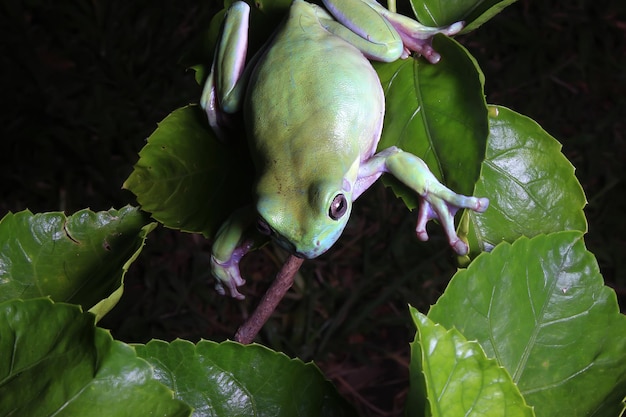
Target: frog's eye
[
  {"x": 263, "y": 227},
  {"x": 338, "y": 207}
]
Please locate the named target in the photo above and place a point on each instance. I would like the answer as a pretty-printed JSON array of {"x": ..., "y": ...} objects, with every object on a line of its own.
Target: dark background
[{"x": 83, "y": 84}]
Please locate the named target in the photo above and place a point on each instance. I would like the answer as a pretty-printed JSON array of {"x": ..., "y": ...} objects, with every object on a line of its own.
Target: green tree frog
[{"x": 313, "y": 109}]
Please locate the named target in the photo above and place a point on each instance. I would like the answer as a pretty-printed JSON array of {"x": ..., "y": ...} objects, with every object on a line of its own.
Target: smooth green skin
[{"x": 313, "y": 108}]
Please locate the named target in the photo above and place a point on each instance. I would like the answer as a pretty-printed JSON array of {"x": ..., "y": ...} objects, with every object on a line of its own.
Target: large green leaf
[
  {"x": 530, "y": 184},
  {"x": 55, "y": 362},
  {"x": 186, "y": 178},
  {"x": 229, "y": 379},
  {"x": 452, "y": 377},
  {"x": 80, "y": 259},
  {"x": 444, "y": 12},
  {"x": 437, "y": 112},
  {"x": 540, "y": 307}
]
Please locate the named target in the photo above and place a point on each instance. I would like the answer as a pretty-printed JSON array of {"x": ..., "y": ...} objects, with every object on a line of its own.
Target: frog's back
[{"x": 314, "y": 101}]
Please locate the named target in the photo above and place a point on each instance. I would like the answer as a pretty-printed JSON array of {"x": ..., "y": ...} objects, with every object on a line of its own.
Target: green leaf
[
  {"x": 444, "y": 12},
  {"x": 54, "y": 361},
  {"x": 80, "y": 259},
  {"x": 437, "y": 112},
  {"x": 452, "y": 377},
  {"x": 186, "y": 178},
  {"x": 540, "y": 307},
  {"x": 530, "y": 184},
  {"x": 229, "y": 379}
]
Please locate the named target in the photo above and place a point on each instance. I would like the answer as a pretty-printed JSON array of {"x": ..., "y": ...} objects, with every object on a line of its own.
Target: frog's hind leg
[
  {"x": 412, "y": 35},
  {"x": 216, "y": 117},
  {"x": 224, "y": 88},
  {"x": 363, "y": 27}
]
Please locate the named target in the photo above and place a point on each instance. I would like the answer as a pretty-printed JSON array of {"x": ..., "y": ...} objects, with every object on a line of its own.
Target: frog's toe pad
[
  {"x": 481, "y": 205},
  {"x": 421, "y": 234},
  {"x": 460, "y": 247},
  {"x": 232, "y": 289},
  {"x": 453, "y": 29}
]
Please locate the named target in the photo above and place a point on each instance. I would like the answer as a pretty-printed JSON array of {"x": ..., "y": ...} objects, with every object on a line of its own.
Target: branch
[{"x": 284, "y": 280}]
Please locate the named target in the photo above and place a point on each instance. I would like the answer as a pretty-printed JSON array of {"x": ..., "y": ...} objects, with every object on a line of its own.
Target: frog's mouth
[
  {"x": 314, "y": 252},
  {"x": 290, "y": 247},
  {"x": 265, "y": 229}
]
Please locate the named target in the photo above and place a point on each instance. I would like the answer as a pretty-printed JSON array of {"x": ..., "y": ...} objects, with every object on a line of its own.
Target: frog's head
[{"x": 307, "y": 221}]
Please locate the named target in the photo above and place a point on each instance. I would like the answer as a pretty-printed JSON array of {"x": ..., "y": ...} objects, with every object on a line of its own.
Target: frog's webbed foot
[
  {"x": 227, "y": 272},
  {"x": 436, "y": 200},
  {"x": 228, "y": 277},
  {"x": 442, "y": 204},
  {"x": 232, "y": 242}
]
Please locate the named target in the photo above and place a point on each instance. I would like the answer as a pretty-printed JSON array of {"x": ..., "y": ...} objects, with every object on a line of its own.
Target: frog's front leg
[
  {"x": 437, "y": 201},
  {"x": 232, "y": 241}
]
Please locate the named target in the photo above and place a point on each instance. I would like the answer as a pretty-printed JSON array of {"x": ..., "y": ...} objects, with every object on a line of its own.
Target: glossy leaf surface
[
  {"x": 451, "y": 376},
  {"x": 186, "y": 178},
  {"x": 444, "y": 12},
  {"x": 530, "y": 184},
  {"x": 80, "y": 259},
  {"x": 229, "y": 379},
  {"x": 540, "y": 308},
  {"x": 55, "y": 362},
  {"x": 437, "y": 112}
]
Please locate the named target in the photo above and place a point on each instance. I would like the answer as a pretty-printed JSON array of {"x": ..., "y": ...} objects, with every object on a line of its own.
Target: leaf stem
[{"x": 284, "y": 280}]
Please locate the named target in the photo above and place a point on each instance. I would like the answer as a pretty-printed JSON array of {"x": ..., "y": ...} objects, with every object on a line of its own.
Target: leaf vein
[
  {"x": 515, "y": 180},
  {"x": 519, "y": 370}
]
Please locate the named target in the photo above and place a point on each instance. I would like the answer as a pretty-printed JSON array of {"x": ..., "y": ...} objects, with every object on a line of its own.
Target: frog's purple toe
[
  {"x": 232, "y": 290},
  {"x": 421, "y": 234},
  {"x": 231, "y": 286}
]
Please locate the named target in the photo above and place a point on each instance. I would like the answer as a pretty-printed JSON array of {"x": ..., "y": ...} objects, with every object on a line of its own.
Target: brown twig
[{"x": 284, "y": 280}]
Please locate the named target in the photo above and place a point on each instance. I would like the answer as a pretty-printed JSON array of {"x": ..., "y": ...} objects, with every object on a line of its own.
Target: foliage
[
  {"x": 531, "y": 185},
  {"x": 452, "y": 376},
  {"x": 245, "y": 380},
  {"x": 172, "y": 172},
  {"x": 57, "y": 362},
  {"x": 540, "y": 307},
  {"x": 76, "y": 259},
  {"x": 525, "y": 325}
]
